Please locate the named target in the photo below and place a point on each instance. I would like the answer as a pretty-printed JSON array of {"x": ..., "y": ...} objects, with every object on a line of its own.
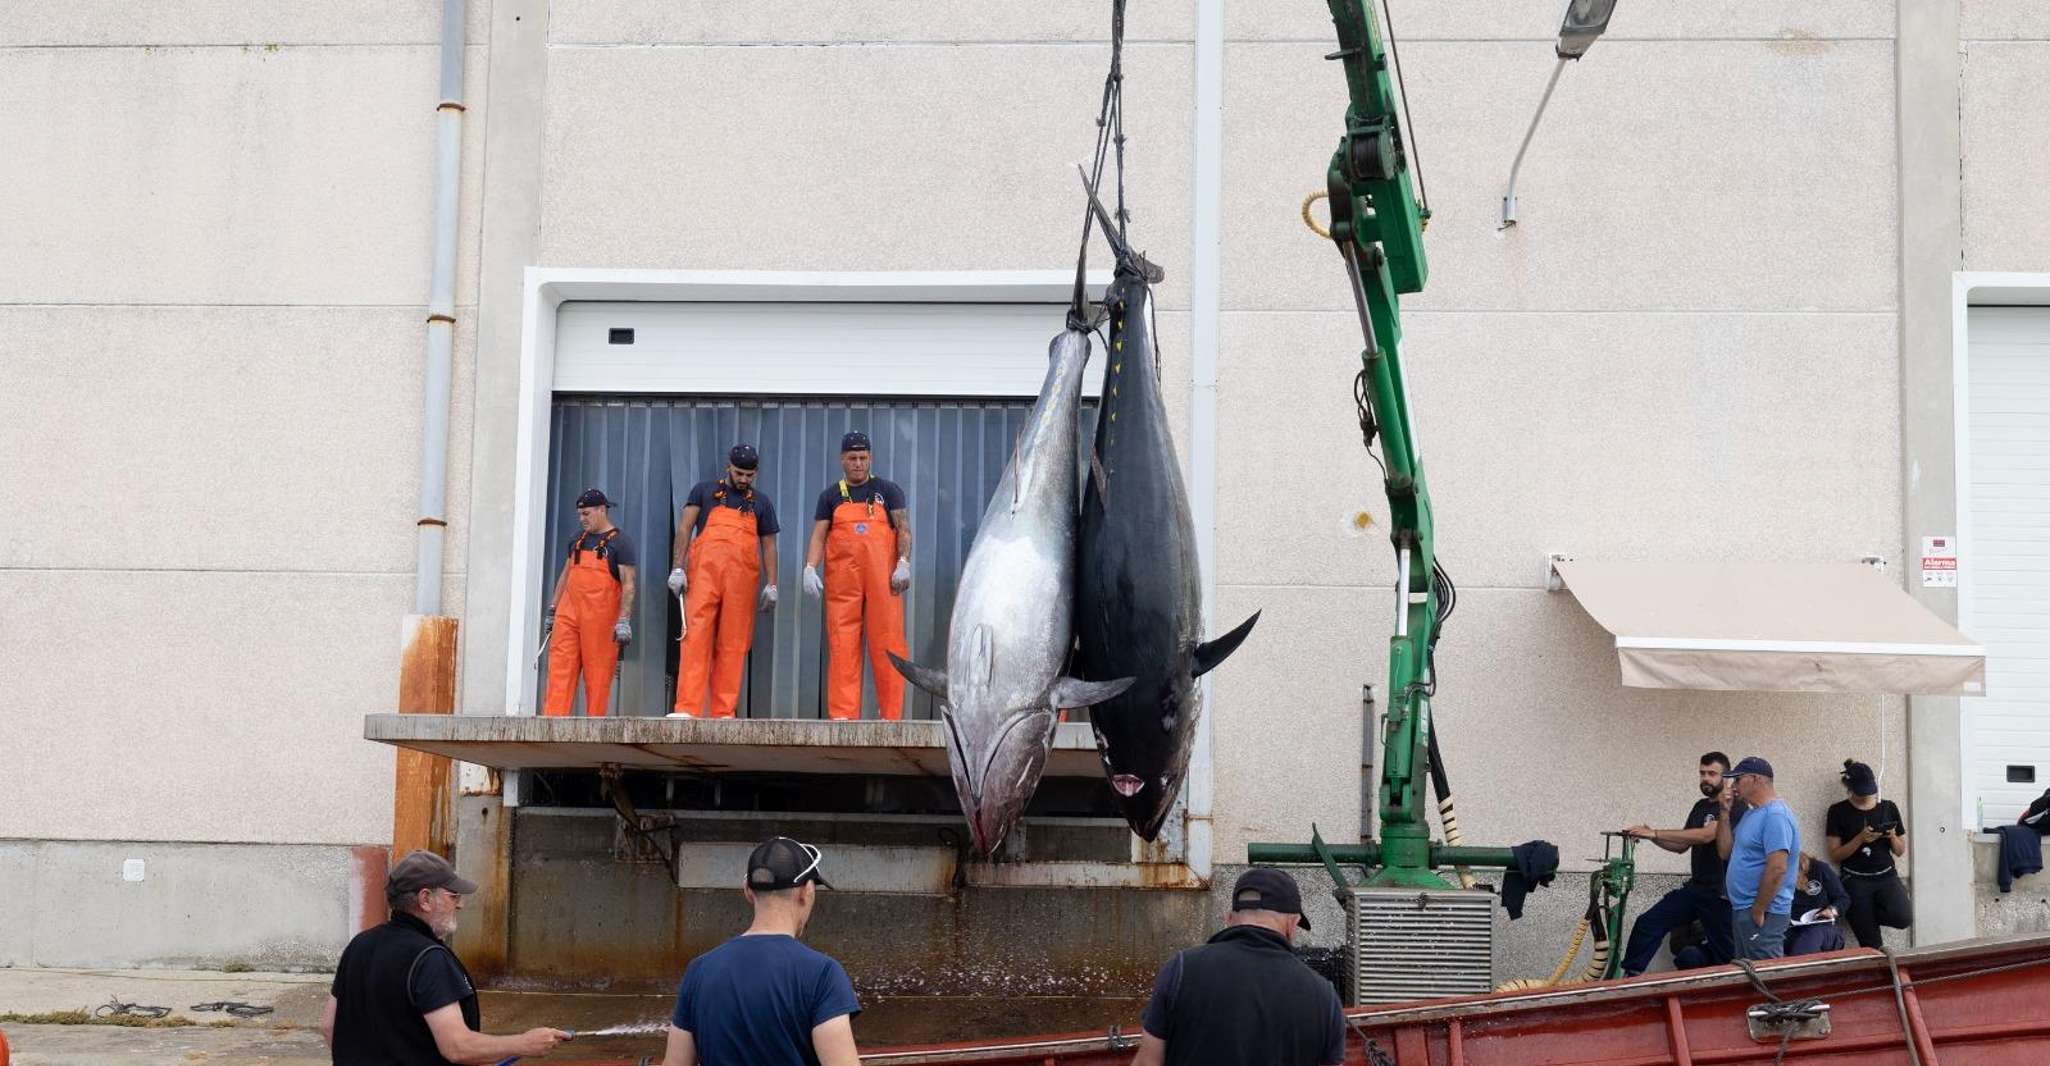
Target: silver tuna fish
[{"x": 1002, "y": 689}]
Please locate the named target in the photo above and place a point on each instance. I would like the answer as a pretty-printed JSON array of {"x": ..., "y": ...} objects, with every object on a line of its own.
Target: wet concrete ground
[{"x": 290, "y": 1037}]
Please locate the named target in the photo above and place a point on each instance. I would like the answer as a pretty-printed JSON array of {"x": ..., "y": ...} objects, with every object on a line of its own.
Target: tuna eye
[{"x": 1167, "y": 723}]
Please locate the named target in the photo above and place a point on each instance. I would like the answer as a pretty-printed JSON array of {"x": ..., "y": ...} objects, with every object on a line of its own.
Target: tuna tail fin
[
  {"x": 1069, "y": 693},
  {"x": 924, "y": 677},
  {"x": 1206, "y": 656}
]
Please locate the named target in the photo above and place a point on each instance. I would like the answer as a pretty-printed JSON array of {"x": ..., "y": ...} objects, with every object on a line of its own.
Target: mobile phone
[{"x": 1886, "y": 827}]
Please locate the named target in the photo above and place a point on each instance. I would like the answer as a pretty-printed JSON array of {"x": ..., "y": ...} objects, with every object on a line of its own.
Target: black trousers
[{"x": 1877, "y": 901}]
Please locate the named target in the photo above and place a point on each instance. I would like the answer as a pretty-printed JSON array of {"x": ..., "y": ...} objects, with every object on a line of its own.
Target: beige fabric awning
[{"x": 1773, "y": 627}]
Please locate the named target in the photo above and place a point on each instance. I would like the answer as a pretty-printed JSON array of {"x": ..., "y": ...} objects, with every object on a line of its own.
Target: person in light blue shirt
[{"x": 1762, "y": 849}]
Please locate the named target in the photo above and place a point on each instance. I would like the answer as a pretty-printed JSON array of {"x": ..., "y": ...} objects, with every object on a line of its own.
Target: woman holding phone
[{"x": 1865, "y": 837}]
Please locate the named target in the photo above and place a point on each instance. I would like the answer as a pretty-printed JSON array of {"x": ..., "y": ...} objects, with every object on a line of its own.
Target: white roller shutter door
[{"x": 2007, "y": 556}]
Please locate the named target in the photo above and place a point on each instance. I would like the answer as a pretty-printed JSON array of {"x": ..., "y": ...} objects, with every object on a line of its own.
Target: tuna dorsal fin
[
  {"x": 1207, "y": 655},
  {"x": 924, "y": 677},
  {"x": 1069, "y": 693}
]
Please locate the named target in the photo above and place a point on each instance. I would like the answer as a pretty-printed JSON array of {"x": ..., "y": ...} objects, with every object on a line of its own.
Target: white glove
[
  {"x": 768, "y": 600},
  {"x": 623, "y": 632},
  {"x": 900, "y": 578},
  {"x": 676, "y": 582},
  {"x": 813, "y": 587}
]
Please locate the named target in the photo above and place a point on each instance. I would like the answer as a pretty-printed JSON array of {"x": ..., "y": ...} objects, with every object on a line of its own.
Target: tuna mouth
[{"x": 1127, "y": 785}]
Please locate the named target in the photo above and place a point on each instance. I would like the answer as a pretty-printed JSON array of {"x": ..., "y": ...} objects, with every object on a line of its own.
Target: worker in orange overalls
[
  {"x": 861, "y": 532},
  {"x": 726, "y": 531},
  {"x": 587, "y": 621}
]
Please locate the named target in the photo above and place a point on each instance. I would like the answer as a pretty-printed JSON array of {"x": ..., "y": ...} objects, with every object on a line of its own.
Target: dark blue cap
[
  {"x": 1750, "y": 765},
  {"x": 593, "y": 498},
  {"x": 744, "y": 456},
  {"x": 1859, "y": 778},
  {"x": 854, "y": 441}
]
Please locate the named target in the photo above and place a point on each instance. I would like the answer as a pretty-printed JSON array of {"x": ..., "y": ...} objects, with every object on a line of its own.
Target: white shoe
[{"x": 679, "y": 714}]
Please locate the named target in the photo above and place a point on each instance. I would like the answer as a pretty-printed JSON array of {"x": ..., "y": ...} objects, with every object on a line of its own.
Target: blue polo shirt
[{"x": 1762, "y": 831}]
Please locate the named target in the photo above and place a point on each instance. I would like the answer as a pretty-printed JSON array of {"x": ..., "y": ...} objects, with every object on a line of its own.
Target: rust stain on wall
[{"x": 422, "y": 795}]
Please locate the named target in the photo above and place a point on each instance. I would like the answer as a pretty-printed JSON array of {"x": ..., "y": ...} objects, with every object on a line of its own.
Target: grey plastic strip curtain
[{"x": 646, "y": 453}]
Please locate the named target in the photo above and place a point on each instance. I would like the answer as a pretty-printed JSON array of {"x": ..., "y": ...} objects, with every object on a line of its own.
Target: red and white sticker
[{"x": 1939, "y": 562}]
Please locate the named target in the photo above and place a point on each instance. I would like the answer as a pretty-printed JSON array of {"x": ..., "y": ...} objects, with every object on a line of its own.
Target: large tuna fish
[
  {"x": 1138, "y": 597},
  {"x": 1013, "y": 616}
]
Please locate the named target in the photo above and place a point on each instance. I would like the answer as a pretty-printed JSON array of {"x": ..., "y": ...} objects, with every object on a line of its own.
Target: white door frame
[
  {"x": 1971, "y": 288},
  {"x": 548, "y": 288}
]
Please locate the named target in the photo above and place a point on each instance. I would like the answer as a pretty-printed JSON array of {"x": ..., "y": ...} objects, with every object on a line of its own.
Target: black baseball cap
[
  {"x": 424, "y": 869},
  {"x": 780, "y": 862},
  {"x": 593, "y": 498},
  {"x": 1264, "y": 888},
  {"x": 744, "y": 457},
  {"x": 854, "y": 441},
  {"x": 1751, "y": 765}
]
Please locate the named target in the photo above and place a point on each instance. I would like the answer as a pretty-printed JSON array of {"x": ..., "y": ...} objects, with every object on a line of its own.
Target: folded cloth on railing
[
  {"x": 1537, "y": 862},
  {"x": 2021, "y": 853}
]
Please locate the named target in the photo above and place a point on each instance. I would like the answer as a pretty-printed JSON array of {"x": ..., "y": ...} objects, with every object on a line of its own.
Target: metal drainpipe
[
  {"x": 441, "y": 318},
  {"x": 1206, "y": 303}
]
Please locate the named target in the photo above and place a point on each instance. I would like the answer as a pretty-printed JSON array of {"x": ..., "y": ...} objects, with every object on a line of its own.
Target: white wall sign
[{"x": 1939, "y": 562}]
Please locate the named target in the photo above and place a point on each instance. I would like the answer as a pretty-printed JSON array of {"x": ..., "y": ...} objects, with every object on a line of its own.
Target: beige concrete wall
[
  {"x": 1686, "y": 350},
  {"x": 2005, "y": 119},
  {"x": 216, "y": 253},
  {"x": 213, "y": 266},
  {"x": 870, "y": 157}
]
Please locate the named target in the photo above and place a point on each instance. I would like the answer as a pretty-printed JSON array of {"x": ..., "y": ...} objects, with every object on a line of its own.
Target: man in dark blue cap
[
  {"x": 861, "y": 533},
  {"x": 1244, "y": 998},
  {"x": 1759, "y": 881},
  {"x": 725, "y": 540}
]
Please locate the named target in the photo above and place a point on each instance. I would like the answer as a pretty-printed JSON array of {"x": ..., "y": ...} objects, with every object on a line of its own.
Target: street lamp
[{"x": 1583, "y": 22}]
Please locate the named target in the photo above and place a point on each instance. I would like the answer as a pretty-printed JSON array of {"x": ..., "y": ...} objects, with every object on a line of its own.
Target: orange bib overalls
[
  {"x": 861, "y": 550},
  {"x": 582, "y": 639},
  {"x": 725, "y": 571}
]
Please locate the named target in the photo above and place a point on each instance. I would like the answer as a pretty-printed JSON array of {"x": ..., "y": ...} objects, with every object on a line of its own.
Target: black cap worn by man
[
  {"x": 1265, "y": 889},
  {"x": 1244, "y": 998},
  {"x": 854, "y": 441},
  {"x": 400, "y": 995},
  {"x": 780, "y": 862},
  {"x": 593, "y": 498},
  {"x": 744, "y": 456}
]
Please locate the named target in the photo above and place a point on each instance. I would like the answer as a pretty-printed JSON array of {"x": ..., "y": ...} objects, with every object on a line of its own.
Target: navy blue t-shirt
[
  {"x": 754, "y": 1000},
  {"x": 705, "y": 495},
  {"x": 617, "y": 551},
  {"x": 886, "y": 494}
]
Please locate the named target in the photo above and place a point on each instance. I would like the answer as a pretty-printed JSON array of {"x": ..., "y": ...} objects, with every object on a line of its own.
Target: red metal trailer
[{"x": 1978, "y": 1002}]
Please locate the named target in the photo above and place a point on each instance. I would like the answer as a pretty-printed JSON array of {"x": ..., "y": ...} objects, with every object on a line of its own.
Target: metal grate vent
[{"x": 1408, "y": 944}]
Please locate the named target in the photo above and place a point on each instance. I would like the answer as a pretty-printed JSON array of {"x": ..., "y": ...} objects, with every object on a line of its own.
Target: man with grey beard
[{"x": 401, "y": 997}]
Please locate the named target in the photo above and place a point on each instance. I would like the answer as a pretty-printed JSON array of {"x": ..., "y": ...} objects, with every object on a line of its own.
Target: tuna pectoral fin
[
  {"x": 928, "y": 679},
  {"x": 1068, "y": 693},
  {"x": 1206, "y": 656}
]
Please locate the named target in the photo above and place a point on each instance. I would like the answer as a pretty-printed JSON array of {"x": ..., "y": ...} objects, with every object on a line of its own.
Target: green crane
[{"x": 1377, "y": 223}]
